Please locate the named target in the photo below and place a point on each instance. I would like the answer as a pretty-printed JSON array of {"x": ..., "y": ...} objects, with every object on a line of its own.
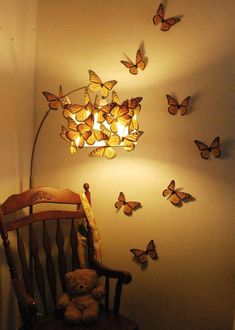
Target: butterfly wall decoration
[
  {"x": 214, "y": 148},
  {"x": 97, "y": 85},
  {"x": 176, "y": 197},
  {"x": 140, "y": 63},
  {"x": 167, "y": 23},
  {"x": 56, "y": 102},
  {"x": 174, "y": 106},
  {"x": 128, "y": 207},
  {"x": 142, "y": 255}
]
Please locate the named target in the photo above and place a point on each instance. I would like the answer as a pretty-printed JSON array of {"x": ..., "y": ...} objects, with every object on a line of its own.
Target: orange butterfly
[
  {"x": 97, "y": 85},
  {"x": 205, "y": 150},
  {"x": 176, "y": 197},
  {"x": 130, "y": 140},
  {"x": 142, "y": 255},
  {"x": 55, "y": 102},
  {"x": 82, "y": 112},
  {"x": 128, "y": 206},
  {"x": 139, "y": 63},
  {"x": 105, "y": 151},
  {"x": 174, "y": 106},
  {"x": 166, "y": 24}
]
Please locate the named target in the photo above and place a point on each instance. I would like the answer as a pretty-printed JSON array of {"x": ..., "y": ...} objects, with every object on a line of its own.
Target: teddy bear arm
[
  {"x": 98, "y": 293},
  {"x": 64, "y": 300}
]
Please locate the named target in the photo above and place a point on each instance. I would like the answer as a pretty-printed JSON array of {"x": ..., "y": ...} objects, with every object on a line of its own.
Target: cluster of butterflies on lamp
[{"x": 93, "y": 123}]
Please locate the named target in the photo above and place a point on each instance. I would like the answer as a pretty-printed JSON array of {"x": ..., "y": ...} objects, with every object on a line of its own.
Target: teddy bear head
[{"x": 81, "y": 281}]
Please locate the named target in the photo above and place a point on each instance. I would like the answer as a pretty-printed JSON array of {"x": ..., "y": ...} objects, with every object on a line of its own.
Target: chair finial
[{"x": 86, "y": 187}]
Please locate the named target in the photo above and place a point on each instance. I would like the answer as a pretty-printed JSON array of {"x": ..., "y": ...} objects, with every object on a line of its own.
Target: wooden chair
[{"x": 46, "y": 261}]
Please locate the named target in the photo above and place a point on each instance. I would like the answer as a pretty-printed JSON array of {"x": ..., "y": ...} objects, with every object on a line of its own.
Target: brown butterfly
[
  {"x": 176, "y": 197},
  {"x": 55, "y": 102},
  {"x": 142, "y": 255},
  {"x": 174, "y": 106},
  {"x": 128, "y": 206},
  {"x": 139, "y": 63},
  {"x": 167, "y": 23},
  {"x": 205, "y": 150}
]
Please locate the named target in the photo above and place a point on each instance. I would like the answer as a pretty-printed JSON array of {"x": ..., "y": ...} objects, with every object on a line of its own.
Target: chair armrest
[
  {"x": 23, "y": 297},
  {"x": 101, "y": 269}
]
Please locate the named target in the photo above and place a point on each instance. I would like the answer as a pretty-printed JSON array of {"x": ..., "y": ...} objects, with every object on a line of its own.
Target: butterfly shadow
[
  {"x": 227, "y": 145},
  {"x": 143, "y": 266},
  {"x": 165, "y": 2},
  {"x": 189, "y": 199},
  {"x": 194, "y": 97},
  {"x": 142, "y": 49}
]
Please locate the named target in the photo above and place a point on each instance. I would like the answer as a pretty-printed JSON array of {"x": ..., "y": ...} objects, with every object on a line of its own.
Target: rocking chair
[{"x": 48, "y": 258}]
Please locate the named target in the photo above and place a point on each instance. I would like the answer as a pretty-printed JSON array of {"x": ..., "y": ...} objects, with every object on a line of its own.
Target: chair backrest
[{"x": 41, "y": 246}]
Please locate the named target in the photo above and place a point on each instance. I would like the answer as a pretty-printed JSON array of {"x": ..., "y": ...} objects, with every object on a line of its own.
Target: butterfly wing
[
  {"x": 205, "y": 151},
  {"x": 106, "y": 151},
  {"x": 131, "y": 66},
  {"x": 140, "y": 255},
  {"x": 106, "y": 87},
  {"x": 170, "y": 189},
  {"x": 183, "y": 105},
  {"x": 139, "y": 60},
  {"x": 121, "y": 201},
  {"x": 95, "y": 82},
  {"x": 130, "y": 206},
  {"x": 215, "y": 147},
  {"x": 173, "y": 105},
  {"x": 54, "y": 101},
  {"x": 169, "y": 22},
  {"x": 183, "y": 195},
  {"x": 151, "y": 250},
  {"x": 115, "y": 98},
  {"x": 175, "y": 199},
  {"x": 159, "y": 17}
]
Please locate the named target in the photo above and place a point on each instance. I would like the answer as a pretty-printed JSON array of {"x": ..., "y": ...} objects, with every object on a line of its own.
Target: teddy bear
[{"x": 80, "y": 302}]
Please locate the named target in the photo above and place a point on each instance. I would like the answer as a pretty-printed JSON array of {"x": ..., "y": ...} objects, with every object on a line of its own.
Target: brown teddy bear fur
[{"x": 80, "y": 302}]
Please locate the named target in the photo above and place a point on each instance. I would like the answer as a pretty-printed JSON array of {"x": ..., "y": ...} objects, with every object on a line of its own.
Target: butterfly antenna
[{"x": 128, "y": 58}]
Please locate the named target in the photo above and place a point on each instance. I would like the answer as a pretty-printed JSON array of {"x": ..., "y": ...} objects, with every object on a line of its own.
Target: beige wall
[
  {"x": 17, "y": 66},
  {"x": 191, "y": 286}
]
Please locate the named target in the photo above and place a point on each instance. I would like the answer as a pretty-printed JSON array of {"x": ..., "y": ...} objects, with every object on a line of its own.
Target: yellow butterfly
[
  {"x": 97, "y": 85},
  {"x": 139, "y": 63},
  {"x": 114, "y": 140},
  {"x": 130, "y": 140},
  {"x": 88, "y": 133},
  {"x": 82, "y": 111},
  {"x": 115, "y": 98},
  {"x": 105, "y": 151}
]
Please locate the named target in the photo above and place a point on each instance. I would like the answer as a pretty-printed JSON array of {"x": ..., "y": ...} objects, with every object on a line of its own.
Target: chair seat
[{"x": 106, "y": 321}]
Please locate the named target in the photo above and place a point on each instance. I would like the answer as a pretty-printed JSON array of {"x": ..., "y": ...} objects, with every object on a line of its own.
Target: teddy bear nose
[{"x": 81, "y": 286}]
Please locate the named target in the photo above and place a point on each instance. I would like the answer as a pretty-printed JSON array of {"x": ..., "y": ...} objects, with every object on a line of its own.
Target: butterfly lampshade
[{"x": 101, "y": 123}]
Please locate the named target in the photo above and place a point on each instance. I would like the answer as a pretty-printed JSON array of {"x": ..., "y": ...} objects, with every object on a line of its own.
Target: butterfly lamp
[{"x": 102, "y": 121}]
